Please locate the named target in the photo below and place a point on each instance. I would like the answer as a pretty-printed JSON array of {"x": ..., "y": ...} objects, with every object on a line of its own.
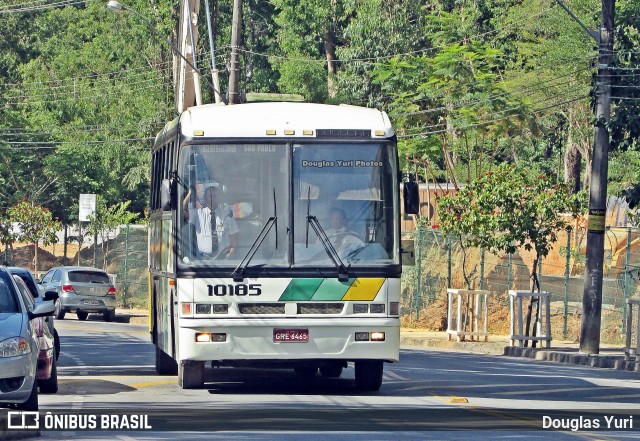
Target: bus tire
[
  {"x": 369, "y": 375},
  {"x": 306, "y": 371},
  {"x": 331, "y": 370},
  {"x": 191, "y": 374},
  {"x": 165, "y": 364}
]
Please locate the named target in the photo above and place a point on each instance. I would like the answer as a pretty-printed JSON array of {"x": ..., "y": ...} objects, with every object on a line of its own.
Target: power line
[
  {"x": 484, "y": 123},
  {"x": 55, "y": 144},
  {"x": 524, "y": 91},
  {"x": 43, "y": 7}
]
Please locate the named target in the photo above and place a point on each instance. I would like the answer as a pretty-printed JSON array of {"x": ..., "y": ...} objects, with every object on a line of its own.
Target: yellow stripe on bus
[{"x": 364, "y": 289}]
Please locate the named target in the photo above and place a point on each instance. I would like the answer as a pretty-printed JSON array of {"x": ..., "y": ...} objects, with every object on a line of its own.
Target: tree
[
  {"x": 308, "y": 36},
  {"x": 7, "y": 235},
  {"x": 36, "y": 224},
  {"x": 505, "y": 209},
  {"x": 454, "y": 110},
  {"x": 106, "y": 220}
]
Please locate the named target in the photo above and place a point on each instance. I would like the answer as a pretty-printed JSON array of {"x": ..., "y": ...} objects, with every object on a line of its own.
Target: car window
[
  {"x": 30, "y": 284},
  {"x": 8, "y": 301},
  {"x": 47, "y": 277},
  {"x": 57, "y": 276},
  {"x": 24, "y": 292},
  {"x": 85, "y": 276}
]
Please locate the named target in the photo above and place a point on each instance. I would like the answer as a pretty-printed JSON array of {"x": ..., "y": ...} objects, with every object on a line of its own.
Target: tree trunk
[
  {"x": 330, "y": 54},
  {"x": 572, "y": 167},
  {"x": 572, "y": 157},
  {"x": 35, "y": 259}
]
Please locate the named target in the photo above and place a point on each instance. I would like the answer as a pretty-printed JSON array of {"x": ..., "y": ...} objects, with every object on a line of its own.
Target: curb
[
  {"x": 565, "y": 356},
  {"x": 597, "y": 361},
  {"x": 487, "y": 348}
]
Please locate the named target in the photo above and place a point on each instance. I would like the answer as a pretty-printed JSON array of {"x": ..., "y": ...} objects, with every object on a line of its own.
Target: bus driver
[{"x": 216, "y": 229}]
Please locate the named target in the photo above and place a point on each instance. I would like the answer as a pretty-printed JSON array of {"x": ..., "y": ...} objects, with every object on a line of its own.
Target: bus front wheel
[
  {"x": 191, "y": 374},
  {"x": 369, "y": 375}
]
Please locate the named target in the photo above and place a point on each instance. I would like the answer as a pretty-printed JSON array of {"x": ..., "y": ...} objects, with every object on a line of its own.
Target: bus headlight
[{"x": 377, "y": 336}]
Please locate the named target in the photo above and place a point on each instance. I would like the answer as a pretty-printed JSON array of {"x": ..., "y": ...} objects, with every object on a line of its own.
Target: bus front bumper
[{"x": 260, "y": 339}]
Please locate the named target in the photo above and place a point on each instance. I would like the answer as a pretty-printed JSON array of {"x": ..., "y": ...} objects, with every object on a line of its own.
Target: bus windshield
[{"x": 284, "y": 205}]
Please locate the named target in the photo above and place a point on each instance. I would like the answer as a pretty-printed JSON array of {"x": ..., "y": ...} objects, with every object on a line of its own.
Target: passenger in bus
[
  {"x": 216, "y": 229},
  {"x": 343, "y": 240}
]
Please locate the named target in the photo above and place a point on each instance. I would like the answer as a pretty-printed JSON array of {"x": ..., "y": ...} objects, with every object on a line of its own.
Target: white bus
[{"x": 274, "y": 239}]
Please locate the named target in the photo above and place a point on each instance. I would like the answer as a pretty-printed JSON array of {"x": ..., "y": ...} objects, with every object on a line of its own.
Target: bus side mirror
[
  {"x": 165, "y": 195},
  {"x": 411, "y": 198}
]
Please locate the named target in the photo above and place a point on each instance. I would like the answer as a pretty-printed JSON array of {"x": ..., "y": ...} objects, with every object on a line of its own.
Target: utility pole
[
  {"x": 236, "y": 32},
  {"x": 592, "y": 295}
]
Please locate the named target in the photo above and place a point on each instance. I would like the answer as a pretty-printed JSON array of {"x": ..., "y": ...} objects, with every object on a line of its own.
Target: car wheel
[
  {"x": 59, "y": 311},
  {"x": 109, "y": 316},
  {"x": 82, "y": 315},
  {"x": 32, "y": 402},
  {"x": 50, "y": 386}
]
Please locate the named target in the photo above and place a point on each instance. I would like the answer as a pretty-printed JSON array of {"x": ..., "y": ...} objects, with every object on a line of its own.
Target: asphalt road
[{"x": 107, "y": 369}]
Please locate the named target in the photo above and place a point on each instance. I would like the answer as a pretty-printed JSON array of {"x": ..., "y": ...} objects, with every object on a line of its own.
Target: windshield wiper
[
  {"x": 326, "y": 243},
  {"x": 328, "y": 247},
  {"x": 238, "y": 273}
]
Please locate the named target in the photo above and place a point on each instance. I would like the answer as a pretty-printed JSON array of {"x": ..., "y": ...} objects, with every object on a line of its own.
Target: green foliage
[
  {"x": 106, "y": 219},
  {"x": 468, "y": 85},
  {"x": 36, "y": 223},
  {"x": 452, "y": 104}
]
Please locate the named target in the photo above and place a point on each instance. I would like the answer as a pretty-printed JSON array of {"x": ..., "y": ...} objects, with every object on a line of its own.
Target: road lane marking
[
  {"x": 395, "y": 376},
  {"x": 152, "y": 383},
  {"x": 555, "y": 391},
  {"x": 110, "y": 331}
]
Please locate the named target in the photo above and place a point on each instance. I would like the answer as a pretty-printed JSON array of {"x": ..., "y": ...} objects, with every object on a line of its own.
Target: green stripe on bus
[
  {"x": 301, "y": 289},
  {"x": 332, "y": 289}
]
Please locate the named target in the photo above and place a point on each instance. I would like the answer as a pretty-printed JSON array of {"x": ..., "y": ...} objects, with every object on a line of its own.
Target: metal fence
[
  {"x": 439, "y": 266},
  {"x": 123, "y": 255}
]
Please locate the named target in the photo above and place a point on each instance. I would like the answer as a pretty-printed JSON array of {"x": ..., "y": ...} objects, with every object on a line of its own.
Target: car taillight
[
  {"x": 67, "y": 288},
  {"x": 112, "y": 291}
]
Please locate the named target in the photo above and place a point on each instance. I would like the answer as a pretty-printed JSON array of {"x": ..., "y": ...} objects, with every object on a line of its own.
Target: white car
[{"x": 19, "y": 345}]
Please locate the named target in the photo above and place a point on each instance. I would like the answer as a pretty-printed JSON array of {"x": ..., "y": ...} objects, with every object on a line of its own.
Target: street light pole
[{"x": 117, "y": 7}]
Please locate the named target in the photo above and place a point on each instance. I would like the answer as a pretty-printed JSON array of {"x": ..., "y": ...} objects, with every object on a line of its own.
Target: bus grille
[
  {"x": 320, "y": 308},
  {"x": 261, "y": 308}
]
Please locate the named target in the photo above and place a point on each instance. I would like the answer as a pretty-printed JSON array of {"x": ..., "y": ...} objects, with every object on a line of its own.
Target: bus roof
[{"x": 284, "y": 119}]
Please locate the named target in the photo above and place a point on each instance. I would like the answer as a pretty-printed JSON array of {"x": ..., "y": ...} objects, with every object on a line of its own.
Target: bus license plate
[{"x": 291, "y": 335}]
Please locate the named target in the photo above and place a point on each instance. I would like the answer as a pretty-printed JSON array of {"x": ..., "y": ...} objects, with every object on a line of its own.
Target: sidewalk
[{"x": 611, "y": 357}]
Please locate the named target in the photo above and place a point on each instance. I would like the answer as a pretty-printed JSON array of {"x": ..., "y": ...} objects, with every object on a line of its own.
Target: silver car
[
  {"x": 38, "y": 296},
  {"x": 81, "y": 289},
  {"x": 19, "y": 345}
]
